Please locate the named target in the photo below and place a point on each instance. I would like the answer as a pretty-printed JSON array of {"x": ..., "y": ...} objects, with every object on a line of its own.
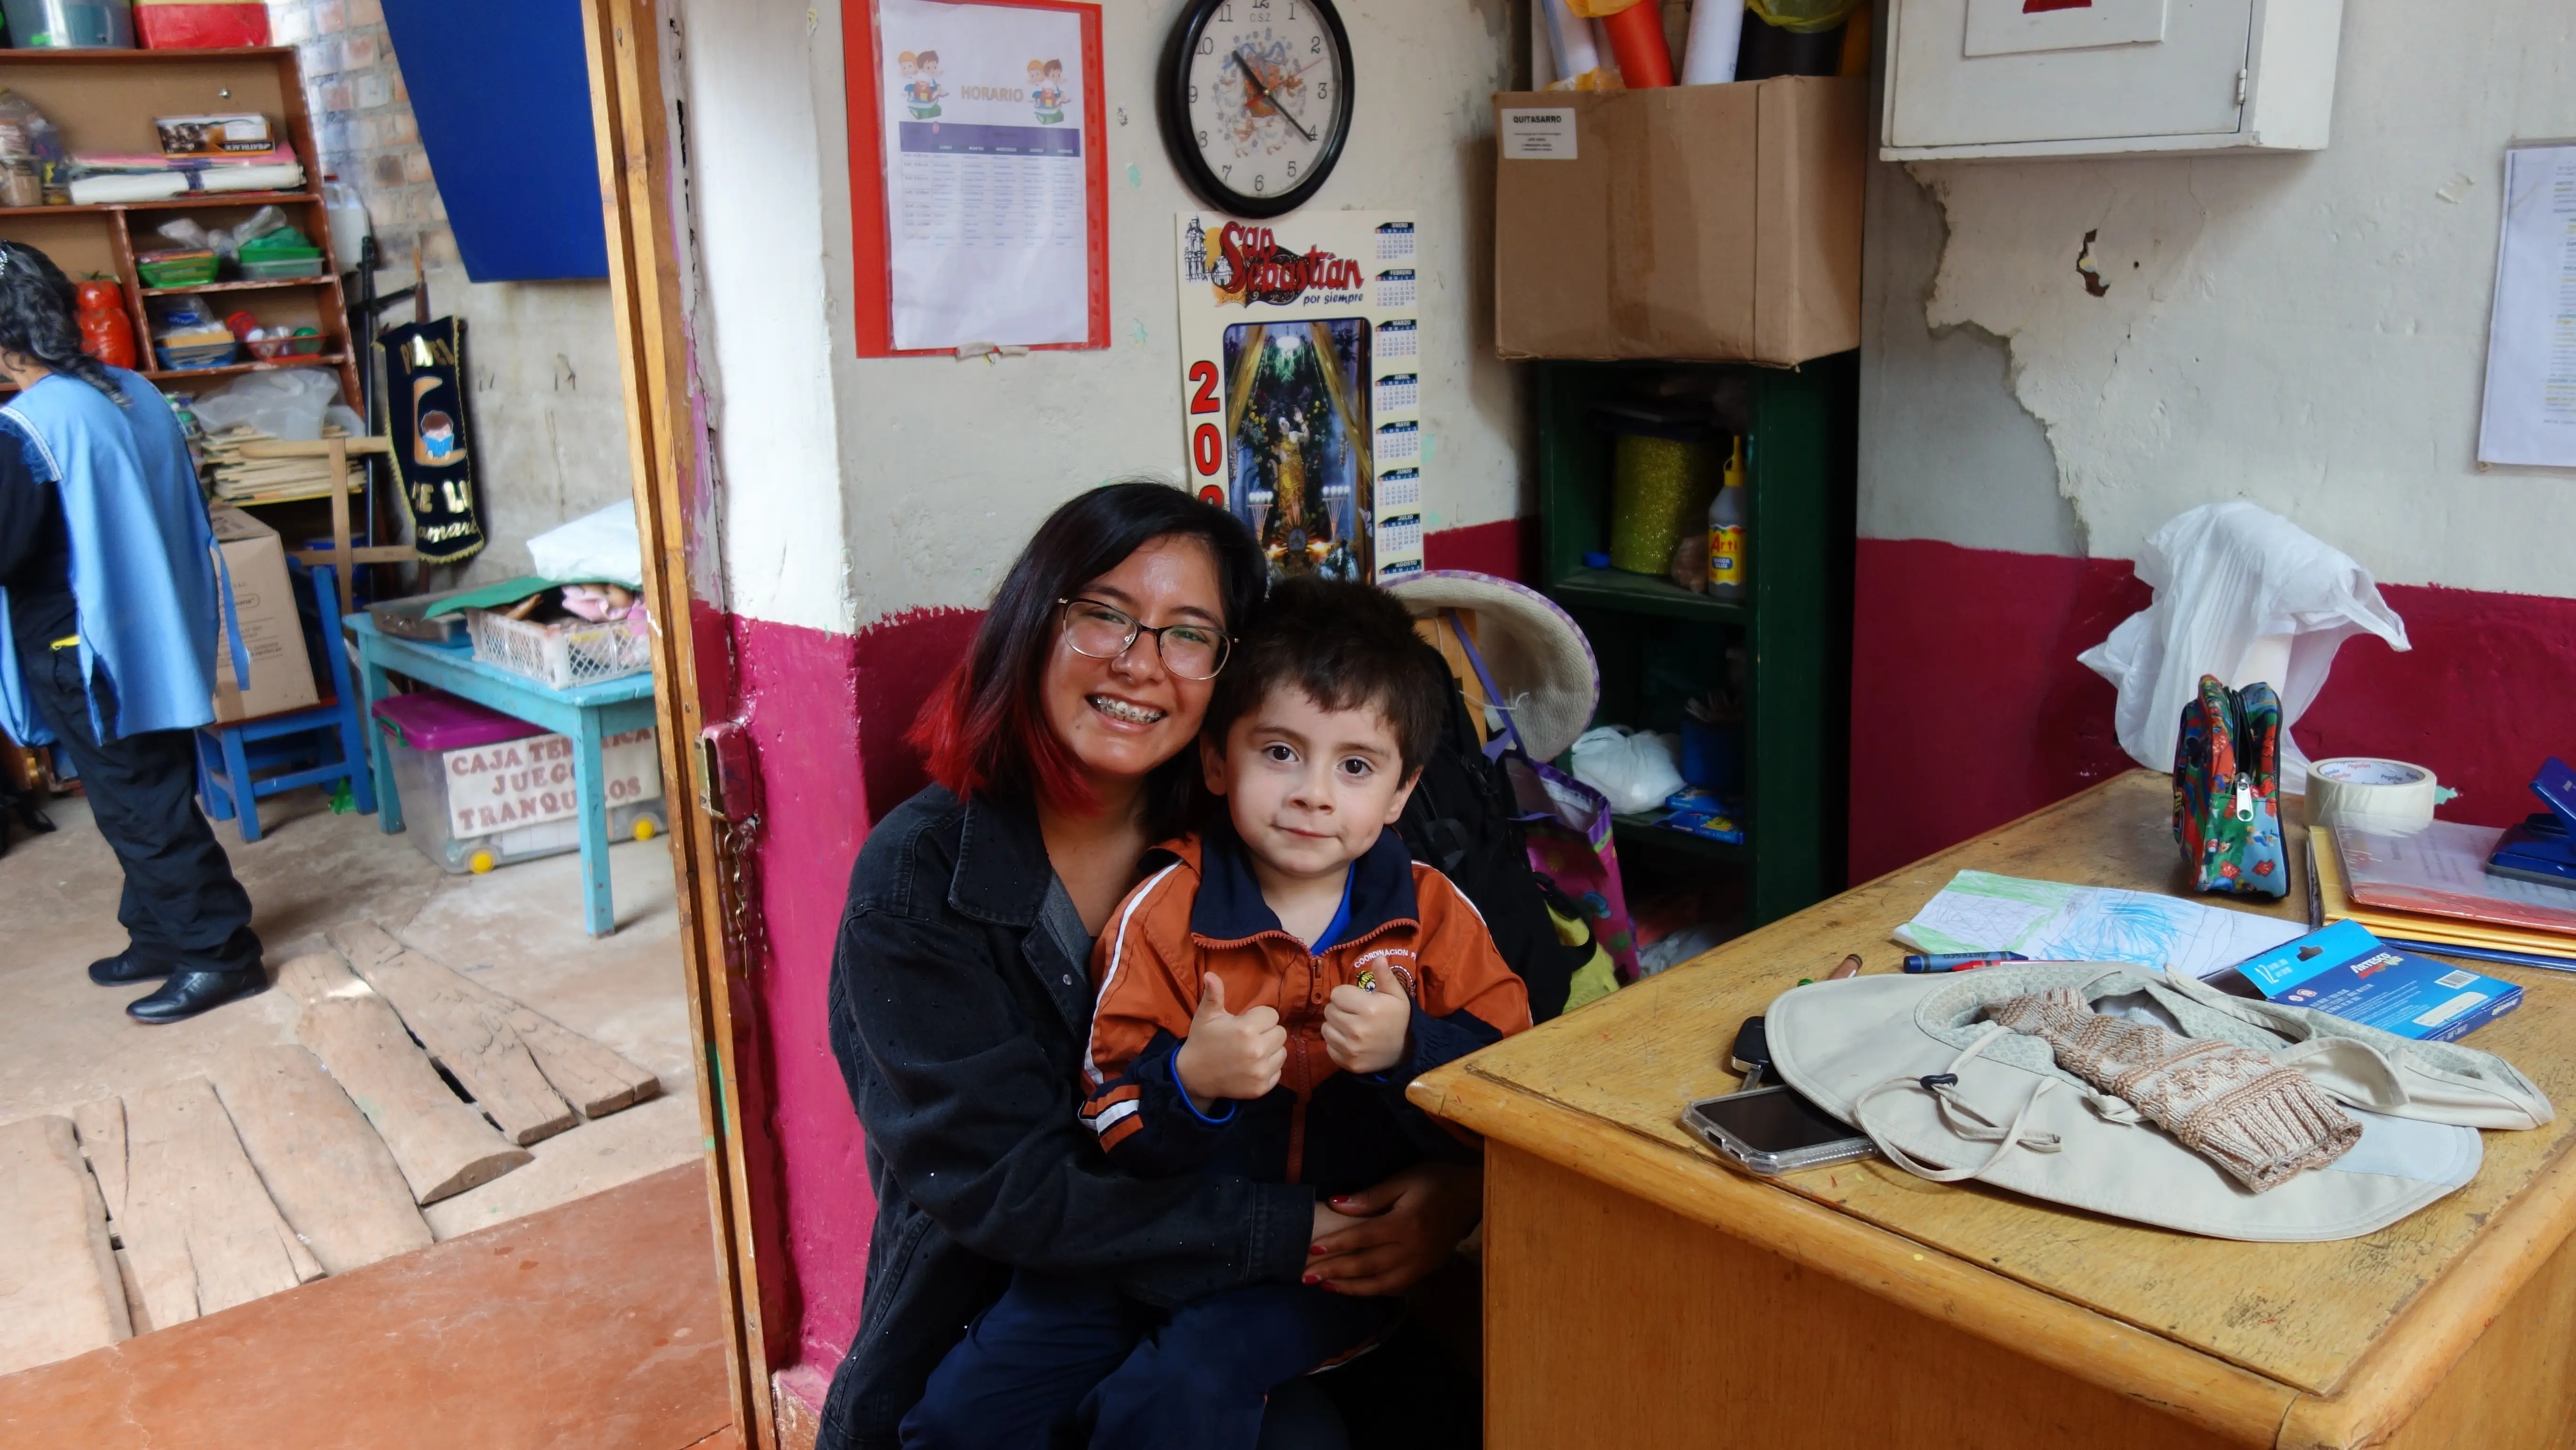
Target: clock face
[{"x": 1257, "y": 100}]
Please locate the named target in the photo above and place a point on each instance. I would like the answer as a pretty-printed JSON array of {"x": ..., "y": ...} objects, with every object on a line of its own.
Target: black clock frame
[{"x": 1172, "y": 91}]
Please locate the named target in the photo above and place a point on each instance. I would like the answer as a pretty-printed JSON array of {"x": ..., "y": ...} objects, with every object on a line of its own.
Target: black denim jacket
[{"x": 959, "y": 1021}]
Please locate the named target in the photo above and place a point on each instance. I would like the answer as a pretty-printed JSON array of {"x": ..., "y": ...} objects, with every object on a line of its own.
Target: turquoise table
[{"x": 586, "y": 716}]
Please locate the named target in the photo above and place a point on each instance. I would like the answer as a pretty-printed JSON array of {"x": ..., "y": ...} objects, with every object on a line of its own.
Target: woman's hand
[{"x": 1406, "y": 1227}]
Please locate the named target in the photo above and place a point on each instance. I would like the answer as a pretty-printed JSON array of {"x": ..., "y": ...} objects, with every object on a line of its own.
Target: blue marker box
[{"x": 2345, "y": 970}]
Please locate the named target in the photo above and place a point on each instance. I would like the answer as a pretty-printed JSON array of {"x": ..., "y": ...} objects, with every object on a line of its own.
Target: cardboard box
[
  {"x": 2345, "y": 970},
  {"x": 281, "y": 673},
  {"x": 1699, "y": 223}
]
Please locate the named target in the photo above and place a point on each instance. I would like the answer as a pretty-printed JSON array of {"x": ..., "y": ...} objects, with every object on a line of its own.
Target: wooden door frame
[{"x": 638, "y": 179}]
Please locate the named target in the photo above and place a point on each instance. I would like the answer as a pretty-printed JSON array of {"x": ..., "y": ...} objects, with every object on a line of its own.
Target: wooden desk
[{"x": 1638, "y": 1294}]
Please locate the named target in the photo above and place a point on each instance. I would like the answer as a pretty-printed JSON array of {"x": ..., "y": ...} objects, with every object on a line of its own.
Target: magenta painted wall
[{"x": 1968, "y": 707}]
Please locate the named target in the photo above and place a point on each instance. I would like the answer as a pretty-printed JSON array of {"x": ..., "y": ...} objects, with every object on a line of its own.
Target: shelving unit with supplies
[
  {"x": 1658, "y": 642},
  {"x": 104, "y": 101}
]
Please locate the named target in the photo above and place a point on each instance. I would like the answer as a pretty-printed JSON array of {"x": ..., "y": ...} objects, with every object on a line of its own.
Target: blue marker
[{"x": 1960, "y": 961}]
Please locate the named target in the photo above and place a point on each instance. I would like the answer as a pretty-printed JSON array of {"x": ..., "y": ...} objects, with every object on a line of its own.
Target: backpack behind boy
[
  {"x": 1463, "y": 821},
  {"x": 2227, "y": 790}
]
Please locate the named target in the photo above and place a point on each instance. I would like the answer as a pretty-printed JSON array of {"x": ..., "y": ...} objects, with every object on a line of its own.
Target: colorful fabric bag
[{"x": 2227, "y": 790}]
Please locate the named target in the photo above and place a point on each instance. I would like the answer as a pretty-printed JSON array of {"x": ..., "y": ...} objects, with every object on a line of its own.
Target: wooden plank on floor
[
  {"x": 471, "y": 1039},
  {"x": 202, "y": 1231},
  {"x": 595, "y": 1324},
  {"x": 59, "y": 1294},
  {"x": 101, "y": 1125},
  {"x": 592, "y": 1076},
  {"x": 364, "y": 943},
  {"x": 327, "y": 1171},
  {"x": 441, "y": 1145}
]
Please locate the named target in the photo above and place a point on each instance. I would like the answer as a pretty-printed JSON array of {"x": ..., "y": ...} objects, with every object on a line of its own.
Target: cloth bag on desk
[{"x": 2014, "y": 1119}]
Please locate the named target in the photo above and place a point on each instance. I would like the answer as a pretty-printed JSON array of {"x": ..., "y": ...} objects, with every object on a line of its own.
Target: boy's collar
[{"x": 1230, "y": 906}]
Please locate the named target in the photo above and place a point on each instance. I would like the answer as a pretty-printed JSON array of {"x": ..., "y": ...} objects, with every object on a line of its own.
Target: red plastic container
[{"x": 200, "y": 24}]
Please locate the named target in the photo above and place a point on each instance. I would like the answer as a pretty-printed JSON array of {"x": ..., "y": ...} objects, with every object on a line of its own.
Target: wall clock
[{"x": 1255, "y": 97}]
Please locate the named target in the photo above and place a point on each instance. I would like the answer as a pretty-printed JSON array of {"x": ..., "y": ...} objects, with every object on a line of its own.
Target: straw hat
[{"x": 1536, "y": 653}]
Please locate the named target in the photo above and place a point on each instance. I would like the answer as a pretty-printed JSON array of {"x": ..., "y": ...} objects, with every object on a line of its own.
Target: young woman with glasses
[{"x": 1061, "y": 748}]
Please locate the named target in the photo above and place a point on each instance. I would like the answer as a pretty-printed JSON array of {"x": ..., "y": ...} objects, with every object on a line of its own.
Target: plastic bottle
[{"x": 1730, "y": 538}]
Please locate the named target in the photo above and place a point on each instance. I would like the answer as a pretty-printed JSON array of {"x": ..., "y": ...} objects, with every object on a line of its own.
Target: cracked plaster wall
[{"x": 2306, "y": 331}]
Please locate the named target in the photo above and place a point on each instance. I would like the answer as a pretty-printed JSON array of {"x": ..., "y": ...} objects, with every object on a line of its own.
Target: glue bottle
[{"x": 1730, "y": 537}]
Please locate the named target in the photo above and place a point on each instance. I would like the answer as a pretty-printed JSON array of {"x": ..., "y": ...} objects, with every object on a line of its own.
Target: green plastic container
[
  {"x": 272, "y": 266},
  {"x": 176, "y": 269}
]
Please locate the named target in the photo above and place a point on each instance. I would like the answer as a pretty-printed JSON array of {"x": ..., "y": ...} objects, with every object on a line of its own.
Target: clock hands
[{"x": 1252, "y": 78}]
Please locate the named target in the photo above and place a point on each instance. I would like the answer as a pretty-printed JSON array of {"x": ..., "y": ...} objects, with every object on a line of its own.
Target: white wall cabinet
[{"x": 2000, "y": 78}]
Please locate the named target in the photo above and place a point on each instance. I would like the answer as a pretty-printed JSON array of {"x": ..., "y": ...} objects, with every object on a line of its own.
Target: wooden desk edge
[
  {"x": 2378, "y": 1393},
  {"x": 2223, "y": 1398}
]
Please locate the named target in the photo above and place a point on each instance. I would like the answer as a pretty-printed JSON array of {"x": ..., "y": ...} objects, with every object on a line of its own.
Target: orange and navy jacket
[{"x": 1402, "y": 928}]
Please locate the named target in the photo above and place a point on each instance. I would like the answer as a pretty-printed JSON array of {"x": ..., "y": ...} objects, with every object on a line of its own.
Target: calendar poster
[{"x": 1301, "y": 386}]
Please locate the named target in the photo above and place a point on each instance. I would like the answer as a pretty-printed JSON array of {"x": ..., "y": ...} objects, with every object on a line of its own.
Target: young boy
[{"x": 1264, "y": 998}]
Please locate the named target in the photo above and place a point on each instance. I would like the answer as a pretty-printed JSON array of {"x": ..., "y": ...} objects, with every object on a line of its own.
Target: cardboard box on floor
[
  {"x": 1700, "y": 223},
  {"x": 281, "y": 673}
]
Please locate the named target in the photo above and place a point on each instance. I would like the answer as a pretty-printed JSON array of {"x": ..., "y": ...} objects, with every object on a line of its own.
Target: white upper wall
[
  {"x": 858, "y": 488},
  {"x": 2305, "y": 331}
]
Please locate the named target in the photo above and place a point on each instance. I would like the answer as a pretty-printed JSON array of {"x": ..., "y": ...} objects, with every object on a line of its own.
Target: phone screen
[{"x": 1774, "y": 1120}]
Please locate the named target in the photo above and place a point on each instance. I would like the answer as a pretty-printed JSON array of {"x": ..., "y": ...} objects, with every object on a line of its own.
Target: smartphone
[{"x": 1774, "y": 1130}]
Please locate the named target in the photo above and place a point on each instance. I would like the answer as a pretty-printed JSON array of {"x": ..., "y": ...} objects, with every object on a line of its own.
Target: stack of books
[{"x": 2430, "y": 891}]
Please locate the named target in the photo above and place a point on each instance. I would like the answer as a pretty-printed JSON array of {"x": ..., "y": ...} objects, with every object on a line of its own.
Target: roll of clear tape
[{"x": 2365, "y": 793}]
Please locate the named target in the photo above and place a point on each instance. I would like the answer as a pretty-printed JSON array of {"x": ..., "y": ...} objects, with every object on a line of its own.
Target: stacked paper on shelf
[
  {"x": 2431, "y": 890},
  {"x": 237, "y": 478},
  {"x": 141, "y": 176}
]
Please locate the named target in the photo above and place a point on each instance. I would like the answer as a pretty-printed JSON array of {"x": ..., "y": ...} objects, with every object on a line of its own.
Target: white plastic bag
[
  {"x": 1635, "y": 771},
  {"x": 289, "y": 403},
  {"x": 600, "y": 547},
  {"x": 2246, "y": 595}
]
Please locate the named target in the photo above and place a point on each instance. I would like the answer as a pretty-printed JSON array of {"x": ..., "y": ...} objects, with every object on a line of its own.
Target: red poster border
[{"x": 872, "y": 309}]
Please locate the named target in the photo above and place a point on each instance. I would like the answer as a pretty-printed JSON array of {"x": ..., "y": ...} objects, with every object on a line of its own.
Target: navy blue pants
[{"x": 1062, "y": 1361}]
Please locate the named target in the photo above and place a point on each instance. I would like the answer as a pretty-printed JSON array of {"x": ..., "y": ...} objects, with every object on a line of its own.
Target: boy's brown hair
[{"x": 1347, "y": 645}]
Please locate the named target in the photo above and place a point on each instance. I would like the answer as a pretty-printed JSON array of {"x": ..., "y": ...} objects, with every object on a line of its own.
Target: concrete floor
[{"x": 65, "y": 1041}]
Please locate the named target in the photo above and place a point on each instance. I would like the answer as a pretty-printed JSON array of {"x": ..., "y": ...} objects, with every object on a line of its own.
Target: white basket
[{"x": 565, "y": 655}]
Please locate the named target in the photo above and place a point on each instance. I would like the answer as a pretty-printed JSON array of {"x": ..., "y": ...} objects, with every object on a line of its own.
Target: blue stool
[{"x": 243, "y": 760}]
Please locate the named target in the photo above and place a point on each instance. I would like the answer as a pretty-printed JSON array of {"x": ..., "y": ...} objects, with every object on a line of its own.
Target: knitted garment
[{"x": 2260, "y": 1121}]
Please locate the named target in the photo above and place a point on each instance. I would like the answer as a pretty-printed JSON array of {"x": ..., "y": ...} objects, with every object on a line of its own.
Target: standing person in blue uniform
[{"x": 108, "y": 627}]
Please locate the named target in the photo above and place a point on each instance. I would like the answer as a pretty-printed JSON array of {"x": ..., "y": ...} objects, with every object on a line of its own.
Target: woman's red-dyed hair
[{"x": 984, "y": 731}]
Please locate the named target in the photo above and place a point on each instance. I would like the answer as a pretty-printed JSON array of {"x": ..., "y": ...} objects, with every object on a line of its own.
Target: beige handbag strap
[{"x": 1961, "y": 1117}]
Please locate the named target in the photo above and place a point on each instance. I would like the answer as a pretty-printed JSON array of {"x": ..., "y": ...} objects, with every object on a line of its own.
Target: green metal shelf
[
  {"x": 1643, "y": 594},
  {"x": 1657, "y": 642}
]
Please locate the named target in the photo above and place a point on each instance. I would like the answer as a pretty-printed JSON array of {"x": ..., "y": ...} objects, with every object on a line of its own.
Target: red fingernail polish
[
  {"x": 1314, "y": 1278},
  {"x": 1314, "y": 1249}
]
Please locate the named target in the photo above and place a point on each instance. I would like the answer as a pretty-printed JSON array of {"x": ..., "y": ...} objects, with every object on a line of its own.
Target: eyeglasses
[{"x": 1104, "y": 632}]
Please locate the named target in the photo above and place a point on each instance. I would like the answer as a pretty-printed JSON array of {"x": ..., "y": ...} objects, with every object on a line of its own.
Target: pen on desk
[{"x": 1960, "y": 961}]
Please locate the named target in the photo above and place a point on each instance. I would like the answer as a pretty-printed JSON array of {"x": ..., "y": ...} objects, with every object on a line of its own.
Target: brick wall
[{"x": 363, "y": 123}]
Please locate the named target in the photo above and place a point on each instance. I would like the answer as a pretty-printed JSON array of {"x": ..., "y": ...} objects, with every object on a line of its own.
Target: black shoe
[
  {"x": 188, "y": 993},
  {"x": 126, "y": 967}
]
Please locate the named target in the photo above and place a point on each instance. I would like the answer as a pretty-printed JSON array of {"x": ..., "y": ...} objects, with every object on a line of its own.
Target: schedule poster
[
  {"x": 2530, "y": 411},
  {"x": 987, "y": 197},
  {"x": 1301, "y": 386}
]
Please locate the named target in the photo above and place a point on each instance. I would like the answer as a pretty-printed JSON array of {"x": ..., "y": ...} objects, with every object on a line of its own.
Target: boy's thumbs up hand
[{"x": 1228, "y": 1054}]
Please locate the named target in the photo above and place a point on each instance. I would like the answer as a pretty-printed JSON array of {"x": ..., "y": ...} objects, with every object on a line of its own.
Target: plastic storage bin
[
  {"x": 194, "y": 267},
  {"x": 481, "y": 789},
  {"x": 273, "y": 266},
  {"x": 563, "y": 655}
]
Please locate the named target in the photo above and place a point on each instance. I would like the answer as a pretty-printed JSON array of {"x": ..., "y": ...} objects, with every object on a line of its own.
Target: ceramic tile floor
[
  {"x": 589, "y": 1326},
  {"x": 64, "y": 1041}
]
